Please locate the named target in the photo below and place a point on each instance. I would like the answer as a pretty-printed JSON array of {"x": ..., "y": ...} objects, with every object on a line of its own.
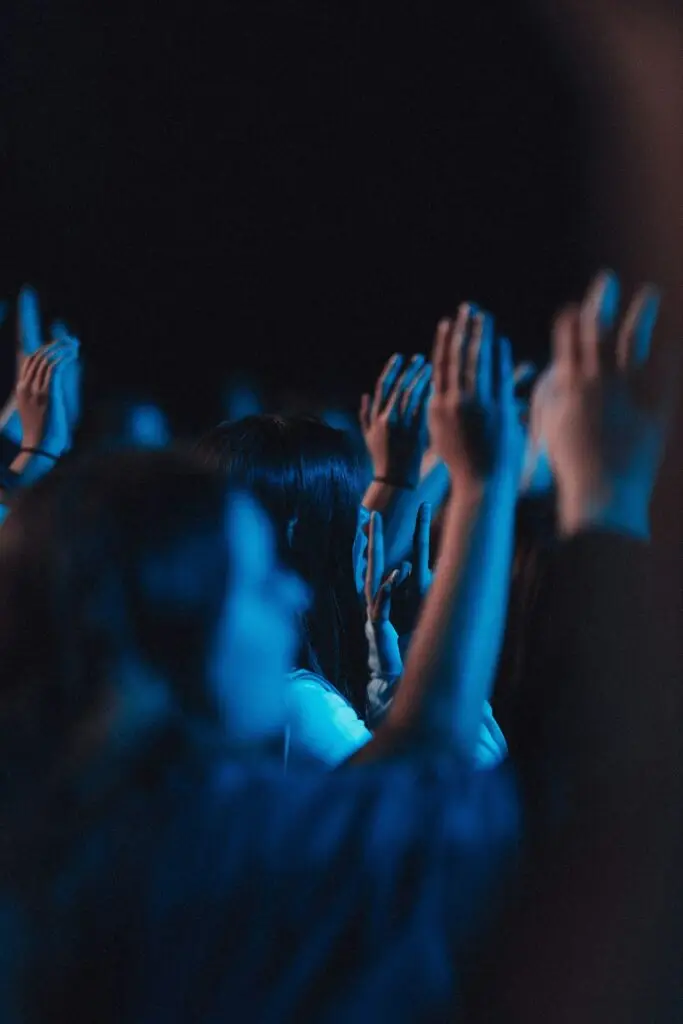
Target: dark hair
[
  {"x": 114, "y": 553},
  {"x": 309, "y": 476}
]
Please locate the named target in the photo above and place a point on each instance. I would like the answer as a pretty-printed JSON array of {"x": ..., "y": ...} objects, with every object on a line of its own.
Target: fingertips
[
  {"x": 601, "y": 303},
  {"x": 566, "y": 341},
  {"x": 635, "y": 337}
]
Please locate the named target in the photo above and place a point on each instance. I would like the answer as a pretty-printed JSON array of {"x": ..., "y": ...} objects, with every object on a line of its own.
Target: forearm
[{"x": 451, "y": 663}]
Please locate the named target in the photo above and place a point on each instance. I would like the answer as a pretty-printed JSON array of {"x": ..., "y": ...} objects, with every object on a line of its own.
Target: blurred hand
[
  {"x": 601, "y": 412},
  {"x": 536, "y": 477},
  {"x": 33, "y": 395},
  {"x": 473, "y": 421},
  {"x": 394, "y": 421},
  {"x": 40, "y": 399},
  {"x": 29, "y": 342}
]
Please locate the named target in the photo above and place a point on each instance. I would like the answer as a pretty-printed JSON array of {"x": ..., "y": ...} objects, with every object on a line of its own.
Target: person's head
[
  {"x": 134, "y": 590},
  {"x": 310, "y": 478}
]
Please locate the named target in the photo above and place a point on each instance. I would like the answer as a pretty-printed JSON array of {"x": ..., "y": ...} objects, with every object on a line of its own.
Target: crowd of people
[
  {"x": 315, "y": 721},
  {"x": 296, "y": 728}
]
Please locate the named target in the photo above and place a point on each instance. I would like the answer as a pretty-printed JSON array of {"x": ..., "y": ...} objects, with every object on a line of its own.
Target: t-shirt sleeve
[{"x": 322, "y": 725}]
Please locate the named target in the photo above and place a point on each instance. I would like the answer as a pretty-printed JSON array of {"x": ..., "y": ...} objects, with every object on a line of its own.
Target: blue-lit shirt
[
  {"x": 323, "y": 726},
  {"x": 253, "y": 896}
]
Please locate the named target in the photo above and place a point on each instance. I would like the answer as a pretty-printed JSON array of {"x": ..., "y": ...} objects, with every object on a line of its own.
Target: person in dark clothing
[
  {"x": 151, "y": 869},
  {"x": 154, "y": 864},
  {"x": 594, "y": 931}
]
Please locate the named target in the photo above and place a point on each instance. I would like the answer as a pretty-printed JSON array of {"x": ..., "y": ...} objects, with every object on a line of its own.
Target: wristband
[
  {"x": 39, "y": 451},
  {"x": 391, "y": 481}
]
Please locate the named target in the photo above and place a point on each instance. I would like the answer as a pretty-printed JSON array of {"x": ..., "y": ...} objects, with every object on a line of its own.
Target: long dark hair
[
  {"x": 95, "y": 561},
  {"x": 310, "y": 478}
]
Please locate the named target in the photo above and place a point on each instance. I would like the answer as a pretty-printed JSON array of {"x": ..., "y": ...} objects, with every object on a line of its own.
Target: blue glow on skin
[
  {"x": 609, "y": 308},
  {"x": 537, "y": 474},
  {"x": 360, "y": 549}
]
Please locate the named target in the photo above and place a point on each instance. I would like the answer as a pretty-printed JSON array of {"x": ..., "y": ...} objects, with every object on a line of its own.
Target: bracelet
[
  {"x": 391, "y": 481},
  {"x": 39, "y": 451}
]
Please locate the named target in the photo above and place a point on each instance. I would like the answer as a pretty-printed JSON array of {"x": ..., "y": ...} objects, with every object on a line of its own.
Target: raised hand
[
  {"x": 473, "y": 420},
  {"x": 413, "y": 579},
  {"x": 32, "y": 395},
  {"x": 378, "y": 593},
  {"x": 40, "y": 399},
  {"x": 29, "y": 342},
  {"x": 601, "y": 410},
  {"x": 394, "y": 421}
]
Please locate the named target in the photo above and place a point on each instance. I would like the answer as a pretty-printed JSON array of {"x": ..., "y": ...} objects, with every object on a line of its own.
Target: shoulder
[
  {"x": 323, "y": 725},
  {"x": 301, "y": 680},
  {"x": 431, "y": 808}
]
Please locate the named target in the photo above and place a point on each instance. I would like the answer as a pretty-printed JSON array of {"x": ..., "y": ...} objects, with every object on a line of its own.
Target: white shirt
[{"x": 322, "y": 724}]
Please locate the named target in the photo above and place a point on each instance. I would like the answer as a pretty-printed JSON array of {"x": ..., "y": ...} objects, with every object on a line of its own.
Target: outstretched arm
[
  {"x": 451, "y": 662},
  {"x": 593, "y": 936}
]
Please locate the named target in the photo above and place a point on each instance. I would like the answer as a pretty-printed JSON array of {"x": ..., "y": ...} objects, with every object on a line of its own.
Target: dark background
[{"x": 292, "y": 188}]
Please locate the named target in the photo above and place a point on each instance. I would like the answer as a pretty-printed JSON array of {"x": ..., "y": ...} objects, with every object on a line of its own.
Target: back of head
[
  {"x": 116, "y": 556},
  {"x": 310, "y": 478}
]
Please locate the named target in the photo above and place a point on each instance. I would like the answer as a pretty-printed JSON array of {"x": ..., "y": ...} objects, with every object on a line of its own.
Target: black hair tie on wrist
[
  {"x": 391, "y": 481},
  {"x": 39, "y": 451}
]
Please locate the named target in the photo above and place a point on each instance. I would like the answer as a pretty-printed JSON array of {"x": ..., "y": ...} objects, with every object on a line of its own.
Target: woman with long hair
[
  {"x": 310, "y": 478},
  {"x": 152, "y": 865},
  {"x": 112, "y": 584}
]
